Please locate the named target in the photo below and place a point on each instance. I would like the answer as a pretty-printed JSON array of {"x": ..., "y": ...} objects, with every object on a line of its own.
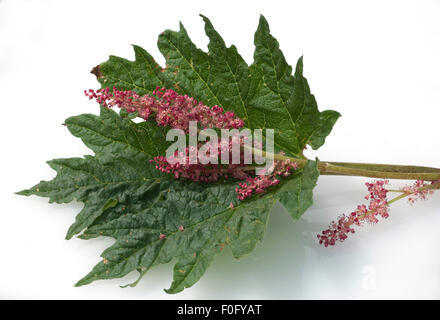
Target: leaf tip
[
  {"x": 299, "y": 66},
  {"x": 22, "y": 192},
  {"x": 181, "y": 27},
  {"x": 86, "y": 280},
  {"x": 79, "y": 284},
  {"x": 263, "y": 22},
  {"x": 172, "y": 290}
]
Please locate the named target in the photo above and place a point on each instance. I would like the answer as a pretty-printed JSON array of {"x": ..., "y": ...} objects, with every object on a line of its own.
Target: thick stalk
[
  {"x": 370, "y": 170},
  {"x": 381, "y": 171}
]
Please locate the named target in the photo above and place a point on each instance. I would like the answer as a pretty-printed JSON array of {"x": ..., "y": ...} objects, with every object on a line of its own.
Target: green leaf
[
  {"x": 296, "y": 194},
  {"x": 209, "y": 224},
  {"x": 127, "y": 199},
  {"x": 284, "y": 99},
  {"x": 142, "y": 75},
  {"x": 135, "y": 203},
  {"x": 312, "y": 126},
  {"x": 120, "y": 167},
  {"x": 264, "y": 95}
]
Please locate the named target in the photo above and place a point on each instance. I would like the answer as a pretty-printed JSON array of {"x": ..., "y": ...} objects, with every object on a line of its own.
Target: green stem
[
  {"x": 433, "y": 186},
  {"x": 403, "y": 195},
  {"x": 371, "y": 170},
  {"x": 381, "y": 171}
]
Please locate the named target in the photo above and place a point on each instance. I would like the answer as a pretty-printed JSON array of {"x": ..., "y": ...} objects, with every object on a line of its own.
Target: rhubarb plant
[{"x": 160, "y": 206}]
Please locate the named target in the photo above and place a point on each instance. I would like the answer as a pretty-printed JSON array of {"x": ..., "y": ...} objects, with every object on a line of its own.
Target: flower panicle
[
  {"x": 378, "y": 206},
  {"x": 170, "y": 108},
  {"x": 176, "y": 111},
  {"x": 180, "y": 166}
]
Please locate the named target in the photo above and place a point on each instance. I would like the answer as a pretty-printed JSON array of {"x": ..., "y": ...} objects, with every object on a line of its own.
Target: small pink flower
[
  {"x": 162, "y": 236},
  {"x": 415, "y": 191}
]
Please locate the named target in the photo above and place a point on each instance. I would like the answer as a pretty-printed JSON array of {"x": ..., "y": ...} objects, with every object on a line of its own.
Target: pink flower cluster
[
  {"x": 415, "y": 191},
  {"x": 200, "y": 172},
  {"x": 171, "y": 109},
  {"x": 181, "y": 165},
  {"x": 213, "y": 172},
  {"x": 378, "y": 206},
  {"x": 259, "y": 183}
]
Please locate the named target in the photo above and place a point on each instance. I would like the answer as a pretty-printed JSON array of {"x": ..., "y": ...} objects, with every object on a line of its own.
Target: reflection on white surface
[
  {"x": 375, "y": 62},
  {"x": 393, "y": 259}
]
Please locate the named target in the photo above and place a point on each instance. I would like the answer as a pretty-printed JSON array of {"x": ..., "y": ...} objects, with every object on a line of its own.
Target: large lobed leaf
[
  {"x": 127, "y": 199},
  {"x": 264, "y": 95}
]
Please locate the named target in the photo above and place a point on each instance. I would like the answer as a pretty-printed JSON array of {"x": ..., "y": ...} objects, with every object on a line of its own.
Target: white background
[{"x": 376, "y": 62}]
